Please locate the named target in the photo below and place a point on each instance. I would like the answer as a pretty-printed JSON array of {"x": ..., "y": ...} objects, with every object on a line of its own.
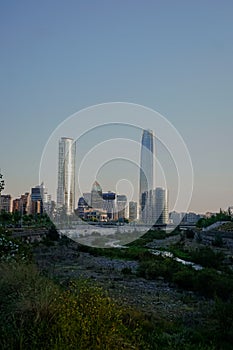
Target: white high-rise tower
[{"x": 66, "y": 175}]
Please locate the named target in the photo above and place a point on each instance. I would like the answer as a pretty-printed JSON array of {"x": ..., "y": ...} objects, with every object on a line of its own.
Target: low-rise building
[{"x": 6, "y": 203}]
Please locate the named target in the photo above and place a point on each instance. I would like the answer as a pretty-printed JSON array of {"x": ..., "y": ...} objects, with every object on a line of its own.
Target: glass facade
[
  {"x": 66, "y": 175},
  {"x": 146, "y": 181}
]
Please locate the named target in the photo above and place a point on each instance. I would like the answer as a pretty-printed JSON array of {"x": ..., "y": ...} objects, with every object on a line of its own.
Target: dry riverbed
[{"x": 157, "y": 298}]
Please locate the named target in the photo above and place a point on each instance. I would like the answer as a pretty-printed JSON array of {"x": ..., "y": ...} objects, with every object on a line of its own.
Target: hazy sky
[{"x": 176, "y": 57}]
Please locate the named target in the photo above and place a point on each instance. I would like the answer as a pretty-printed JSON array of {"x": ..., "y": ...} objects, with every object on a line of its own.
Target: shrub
[
  {"x": 218, "y": 241},
  {"x": 190, "y": 234},
  {"x": 223, "y": 316},
  {"x": 207, "y": 258},
  {"x": 13, "y": 249},
  {"x": 26, "y": 306},
  {"x": 53, "y": 234},
  {"x": 185, "y": 279},
  {"x": 89, "y": 319},
  {"x": 158, "y": 266},
  {"x": 37, "y": 314},
  {"x": 209, "y": 283},
  {"x": 126, "y": 271}
]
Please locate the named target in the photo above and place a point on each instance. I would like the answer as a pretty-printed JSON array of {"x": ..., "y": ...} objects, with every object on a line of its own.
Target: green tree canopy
[{"x": 2, "y": 183}]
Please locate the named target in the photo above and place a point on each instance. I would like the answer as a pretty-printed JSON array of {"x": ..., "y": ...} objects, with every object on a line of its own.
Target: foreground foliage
[{"x": 37, "y": 313}]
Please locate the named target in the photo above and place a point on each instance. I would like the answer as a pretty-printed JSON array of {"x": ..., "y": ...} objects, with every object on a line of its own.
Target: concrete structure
[
  {"x": 48, "y": 204},
  {"x": 161, "y": 206},
  {"x": 96, "y": 196},
  {"x": 109, "y": 204},
  {"x": 147, "y": 207},
  {"x": 6, "y": 203},
  {"x": 121, "y": 203},
  {"x": 36, "y": 200},
  {"x": 16, "y": 205},
  {"x": 87, "y": 198},
  {"x": 25, "y": 203},
  {"x": 66, "y": 175},
  {"x": 190, "y": 218},
  {"x": 155, "y": 207},
  {"x": 22, "y": 204},
  {"x": 133, "y": 208},
  {"x": 96, "y": 215},
  {"x": 82, "y": 207},
  {"x": 175, "y": 218}
]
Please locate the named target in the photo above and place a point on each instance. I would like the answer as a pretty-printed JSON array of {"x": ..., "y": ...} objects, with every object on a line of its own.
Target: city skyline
[
  {"x": 176, "y": 58},
  {"x": 66, "y": 161}
]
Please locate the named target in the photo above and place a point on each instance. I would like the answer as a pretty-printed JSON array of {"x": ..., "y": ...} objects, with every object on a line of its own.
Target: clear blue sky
[{"x": 176, "y": 57}]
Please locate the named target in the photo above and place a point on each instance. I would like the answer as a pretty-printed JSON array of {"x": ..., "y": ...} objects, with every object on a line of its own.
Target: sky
[{"x": 176, "y": 57}]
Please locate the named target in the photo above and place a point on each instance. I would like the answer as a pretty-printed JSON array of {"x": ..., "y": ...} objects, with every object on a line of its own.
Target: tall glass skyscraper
[
  {"x": 66, "y": 175},
  {"x": 146, "y": 181}
]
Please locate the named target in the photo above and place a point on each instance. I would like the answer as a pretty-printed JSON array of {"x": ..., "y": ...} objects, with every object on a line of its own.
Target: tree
[
  {"x": 16, "y": 217},
  {"x": 2, "y": 183},
  {"x": 5, "y": 218}
]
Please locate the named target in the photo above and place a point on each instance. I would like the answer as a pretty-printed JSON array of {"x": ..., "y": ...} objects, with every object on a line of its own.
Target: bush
[
  {"x": 89, "y": 319},
  {"x": 223, "y": 316},
  {"x": 185, "y": 279},
  {"x": 218, "y": 241},
  {"x": 126, "y": 271},
  {"x": 53, "y": 234},
  {"x": 37, "y": 314},
  {"x": 190, "y": 234},
  {"x": 12, "y": 249},
  {"x": 26, "y": 306},
  {"x": 209, "y": 283},
  {"x": 207, "y": 258},
  {"x": 158, "y": 266}
]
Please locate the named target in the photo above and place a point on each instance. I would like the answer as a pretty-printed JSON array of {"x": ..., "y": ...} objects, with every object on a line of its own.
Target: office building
[
  {"x": 87, "y": 198},
  {"x": 96, "y": 196},
  {"x": 155, "y": 207},
  {"x": 16, "y": 205},
  {"x": 161, "y": 206},
  {"x": 24, "y": 203},
  {"x": 109, "y": 204},
  {"x": 66, "y": 175},
  {"x": 36, "y": 200},
  {"x": 190, "y": 218},
  {"x": 133, "y": 207},
  {"x": 146, "y": 180},
  {"x": 121, "y": 206},
  {"x": 175, "y": 218},
  {"x": 82, "y": 207},
  {"x": 6, "y": 203}
]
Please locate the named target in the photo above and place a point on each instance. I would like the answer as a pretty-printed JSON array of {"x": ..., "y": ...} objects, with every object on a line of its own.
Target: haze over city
[{"x": 173, "y": 57}]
